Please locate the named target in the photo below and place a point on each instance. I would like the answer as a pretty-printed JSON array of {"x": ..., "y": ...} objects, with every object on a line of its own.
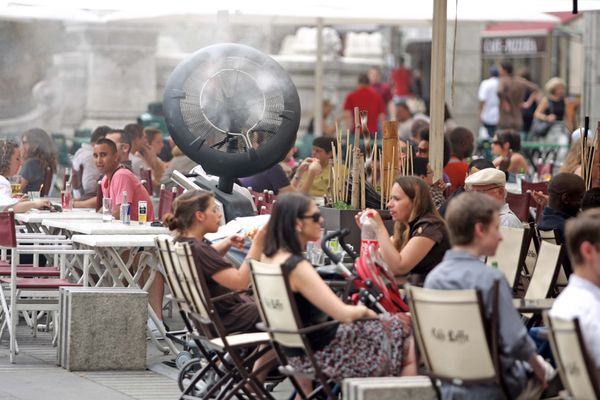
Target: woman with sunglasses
[
  {"x": 505, "y": 146},
  {"x": 420, "y": 237},
  {"x": 354, "y": 347}
]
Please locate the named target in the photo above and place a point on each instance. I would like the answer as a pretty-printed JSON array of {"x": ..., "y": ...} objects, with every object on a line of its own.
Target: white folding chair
[
  {"x": 577, "y": 372},
  {"x": 19, "y": 293},
  {"x": 281, "y": 319},
  {"x": 511, "y": 252},
  {"x": 458, "y": 344},
  {"x": 546, "y": 269}
]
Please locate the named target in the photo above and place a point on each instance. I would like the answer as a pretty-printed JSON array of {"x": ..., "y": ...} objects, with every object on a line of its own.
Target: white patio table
[{"x": 33, "y": 218}]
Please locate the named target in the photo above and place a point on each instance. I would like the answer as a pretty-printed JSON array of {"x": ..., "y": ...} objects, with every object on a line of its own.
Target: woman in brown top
[
  {"x": 420, "y": 237},
  {"x": 195, "y": 215}
]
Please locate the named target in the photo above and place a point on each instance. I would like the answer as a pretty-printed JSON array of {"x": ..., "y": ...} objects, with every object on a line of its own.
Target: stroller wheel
[
  {"x": 182, "y": 358},
  {"x": 186, "y": 372}
]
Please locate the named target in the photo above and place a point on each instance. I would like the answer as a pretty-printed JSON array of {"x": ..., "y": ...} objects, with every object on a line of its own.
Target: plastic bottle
[{"x": 368, "y": 233}]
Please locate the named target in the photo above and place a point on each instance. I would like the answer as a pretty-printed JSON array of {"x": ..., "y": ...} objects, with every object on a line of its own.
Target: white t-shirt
[
  {"x": 581, "y": 299},
  {"x": 490, "y": 113},
  {"x": 6, "y": 199}
]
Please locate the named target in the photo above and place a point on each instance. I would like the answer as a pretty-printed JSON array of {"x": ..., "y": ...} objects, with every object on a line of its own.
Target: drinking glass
[
  {"x": 66, "y": 199},
  {"x": 33, "y": 196},
  {"x": 15, "y": 185},
  {"x": 107, "y": 210}
]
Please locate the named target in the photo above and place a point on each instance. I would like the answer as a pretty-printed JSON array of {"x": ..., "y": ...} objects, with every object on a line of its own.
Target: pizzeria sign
[{"x": 513, "y": 46}]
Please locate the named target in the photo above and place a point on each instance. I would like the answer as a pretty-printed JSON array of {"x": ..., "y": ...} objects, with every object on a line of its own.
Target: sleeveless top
[
  {"x": 556, "y": 107},
  {"x": 309, "y": 315}
]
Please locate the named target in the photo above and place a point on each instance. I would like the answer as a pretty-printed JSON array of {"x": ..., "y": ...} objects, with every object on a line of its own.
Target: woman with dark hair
[
  {"x": 39, "y": 154},
  {"x": 420, "y": 237},
  {"x": 355, "y": 347},
  {"x": 196, "y": 214},
  {"x": 10, "y": 162},
  {"x": 506, "y": 145}
]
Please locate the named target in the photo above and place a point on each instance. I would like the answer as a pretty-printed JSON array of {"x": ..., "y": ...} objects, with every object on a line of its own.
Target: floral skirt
[{"x": 368, "y": 348}]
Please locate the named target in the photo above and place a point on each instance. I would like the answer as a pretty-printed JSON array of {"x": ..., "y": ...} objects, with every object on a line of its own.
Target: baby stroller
[{"x": 371, "y": 282}]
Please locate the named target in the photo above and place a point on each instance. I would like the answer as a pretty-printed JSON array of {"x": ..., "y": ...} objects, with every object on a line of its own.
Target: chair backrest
[
  {"x": 452, "y": 334},
  {"x": 549, "y": 236},
  {"x": 537, "y": 186},
  {"x": 577, "y": 371},
  {"x": 165, "y": 201},
  {"x": 277, "y": 307},
  {"x": 168, "y": 258},
  {"x": 47, "y": 182},
  {"x": 99, "y": 196},
  {"x": 511, "y": 252},
  {"x": 544, "y": 275},
  {"x": 8, "y": 236},
  {"x": 519, "y": 204},
  {"x": 146, "y": 178},
  {"x": 197, "y": 294}
]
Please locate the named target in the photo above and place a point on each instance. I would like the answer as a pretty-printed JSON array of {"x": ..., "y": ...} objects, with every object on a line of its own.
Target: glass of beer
[
  {"x": 142, "y": 212},
  {"x": 15, "y": 185}
]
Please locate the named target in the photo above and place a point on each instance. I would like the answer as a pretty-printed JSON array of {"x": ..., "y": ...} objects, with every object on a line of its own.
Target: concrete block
[
  {"x": 102, "y": 329},
  {"x": 389, "y": 388}
]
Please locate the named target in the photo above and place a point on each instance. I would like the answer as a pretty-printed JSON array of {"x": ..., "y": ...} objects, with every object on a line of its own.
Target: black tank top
[
  {"x": 556, "y": 107},
  {"x": 310, "y": 315}
]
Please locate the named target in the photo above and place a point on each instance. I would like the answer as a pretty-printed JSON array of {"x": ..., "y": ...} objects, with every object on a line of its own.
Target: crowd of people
[{"x": 442, "y": 229}]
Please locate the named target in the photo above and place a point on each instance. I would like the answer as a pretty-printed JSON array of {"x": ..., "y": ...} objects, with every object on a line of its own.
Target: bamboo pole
[
  {"x": 363, "y": 185},
  {"x": 389, "y": 144}
]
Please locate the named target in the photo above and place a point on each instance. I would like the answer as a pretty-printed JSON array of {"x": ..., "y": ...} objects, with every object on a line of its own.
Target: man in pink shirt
[
  {"x": 118, "y": 180},
  {"x": 365, "y": 98}
]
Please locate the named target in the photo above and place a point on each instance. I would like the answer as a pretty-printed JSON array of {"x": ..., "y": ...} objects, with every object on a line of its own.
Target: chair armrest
[
  {"x": 228, "y": 295},
  {"x": 262, "y": 326}
]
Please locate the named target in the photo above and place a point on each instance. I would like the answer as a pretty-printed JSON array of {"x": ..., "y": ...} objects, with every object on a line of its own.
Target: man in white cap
[{"x": 492, "y": 182}]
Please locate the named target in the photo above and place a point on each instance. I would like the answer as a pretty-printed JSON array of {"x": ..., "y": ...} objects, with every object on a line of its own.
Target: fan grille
[{"x": 232, "y": 103}]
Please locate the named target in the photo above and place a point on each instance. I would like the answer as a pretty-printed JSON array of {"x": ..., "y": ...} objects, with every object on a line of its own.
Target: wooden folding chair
[
  {"x": 165, "y": 201},
  {"x": 519, "y": 204},
  {"x": 146, "y": 179},
  {"x": 537, "y": 186},
  {"x": 577, "y": 372},
  {"x": 196, "y": 292},
  {"x": 458, "y": 343},
  {"x": 544, "y": 275},
  {"x": 281, "y": 319},
  {"x": 170, "y": 260},
  {"x": 565, "y": 269},
  {"x": 26, "y": 293},
  {"x": 48, "y": 175},
  {"x": 511, "y": 253}
]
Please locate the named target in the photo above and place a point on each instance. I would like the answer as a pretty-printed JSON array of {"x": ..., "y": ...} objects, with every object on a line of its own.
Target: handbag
[{"x": 540, "y": 128}]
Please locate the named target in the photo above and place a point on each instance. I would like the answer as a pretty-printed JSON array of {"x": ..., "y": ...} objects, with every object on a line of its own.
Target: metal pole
[
  {"x": 318, "y": 125},
  {"x": 437, "y": 92}
]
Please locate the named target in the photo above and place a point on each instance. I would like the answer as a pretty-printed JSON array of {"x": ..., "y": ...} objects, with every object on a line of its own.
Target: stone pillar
[
  {"x": 121, "y": 71},
  {"x": 467, "y": 72},
  {"x": 591, "y": 72}
]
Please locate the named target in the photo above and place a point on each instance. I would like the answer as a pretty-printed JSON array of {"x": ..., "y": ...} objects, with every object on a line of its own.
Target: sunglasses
[
  {"x": 316, "y": 217},
  {"x": 422, "y": 150}
]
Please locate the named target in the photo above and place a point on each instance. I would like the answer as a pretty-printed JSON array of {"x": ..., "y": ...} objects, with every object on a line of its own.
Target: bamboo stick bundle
[
  {"x": 355, "y": 161},
  {"x": 346, "y": 180},
  {"x": 389, "y": 144}
]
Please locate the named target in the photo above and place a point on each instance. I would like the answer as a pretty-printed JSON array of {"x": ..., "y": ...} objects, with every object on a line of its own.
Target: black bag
[{"x": 540, "y": 128}]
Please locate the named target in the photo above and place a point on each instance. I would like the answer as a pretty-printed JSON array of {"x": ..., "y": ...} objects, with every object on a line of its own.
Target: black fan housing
[{"x": 232, "y": 109}]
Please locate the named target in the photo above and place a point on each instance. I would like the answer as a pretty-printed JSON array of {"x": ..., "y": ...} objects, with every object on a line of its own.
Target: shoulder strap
[{"x": 291, "y": 262}]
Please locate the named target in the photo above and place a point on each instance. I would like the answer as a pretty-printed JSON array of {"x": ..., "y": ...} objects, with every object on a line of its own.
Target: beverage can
[
  {"x": 125, "y": 212},
  {"x": 142, "y": 211}
]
